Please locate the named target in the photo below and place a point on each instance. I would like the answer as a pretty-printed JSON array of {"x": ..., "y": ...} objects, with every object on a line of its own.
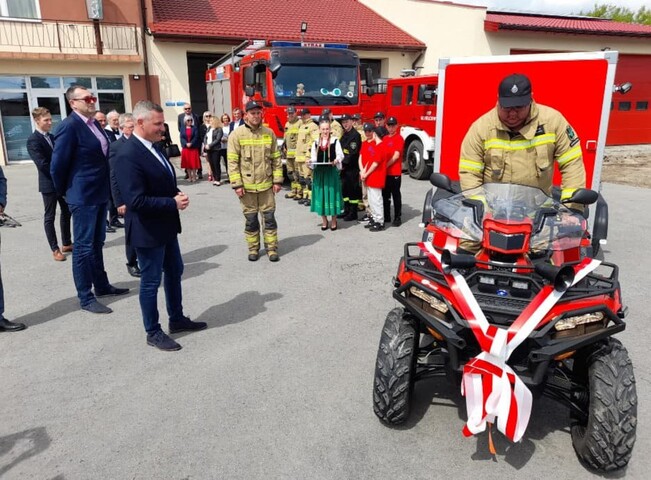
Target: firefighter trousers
[
  {"x": 350, "y": 188},
  {"x": 305, "y": 178},
  {"x": 294, "y": 176},
  {"x": 256, "y": 206}
]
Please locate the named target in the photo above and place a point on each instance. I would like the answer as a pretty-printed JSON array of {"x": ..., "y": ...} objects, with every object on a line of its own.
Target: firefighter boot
[
  {"x": 346, "y": 211},
  {"x": 352, "y": 213}
]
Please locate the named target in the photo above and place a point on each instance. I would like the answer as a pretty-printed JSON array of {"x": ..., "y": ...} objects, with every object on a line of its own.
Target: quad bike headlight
[
  {"x": 573, "y": 322},
  {"x": 434, "y": 302}
]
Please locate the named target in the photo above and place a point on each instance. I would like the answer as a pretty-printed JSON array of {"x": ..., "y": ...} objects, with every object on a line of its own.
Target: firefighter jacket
[
  {"x": 307, "y": 133},
  {"x": 336, "y": 129},
  {"x": 491, "y": 152},
  {"x": 291, "y": 137},
  {"x": 253, "y": 160},
  {"x": 351, "y": 141}
]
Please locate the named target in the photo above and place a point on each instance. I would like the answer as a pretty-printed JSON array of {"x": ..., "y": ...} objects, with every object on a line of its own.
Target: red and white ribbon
[{"x": 491, "y": 387}]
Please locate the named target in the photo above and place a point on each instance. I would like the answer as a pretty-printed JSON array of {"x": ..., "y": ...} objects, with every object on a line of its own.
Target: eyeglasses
[
  {"x": 187, "y": 108},
  {"x": 88, "y": 99},
  {"x": 207, "y": 116}
]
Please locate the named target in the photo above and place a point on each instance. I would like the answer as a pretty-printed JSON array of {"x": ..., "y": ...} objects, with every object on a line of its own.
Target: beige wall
[
  {"x": 392, "y": 62},
  {"x": 448, "y": 30},
  {"x": 168, "y": 60}
]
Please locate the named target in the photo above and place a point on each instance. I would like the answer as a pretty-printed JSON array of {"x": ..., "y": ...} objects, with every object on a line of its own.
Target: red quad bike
[{"x": 503, "y": 296}]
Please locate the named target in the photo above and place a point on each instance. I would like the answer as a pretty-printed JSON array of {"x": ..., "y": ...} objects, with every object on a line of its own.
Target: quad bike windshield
[{"x": 553, "y": 226}]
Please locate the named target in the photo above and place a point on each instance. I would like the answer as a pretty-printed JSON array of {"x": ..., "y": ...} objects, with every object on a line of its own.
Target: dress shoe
[
  {"x": 308, "y": 202},
  {"x": 161, "y": 341},
  {"x": 58, "y": 256},
  {"x": 66, "y": 248},
  {"x": 117, "y": 224},
  {"x": 134, "y": 270},
  {"x": 7, "y": 326},
  {"x": 273, "y": 256},
  {"x": 301, "y": 201},
  {"x": 110, "y": 229},
  {"x": 253, "y": 256},
  {"x": 187, "y": 325},
  {"x": 96, "y": 307},
  {"x": 111, "y": 292},
  {"x": 397, "y": 222}
]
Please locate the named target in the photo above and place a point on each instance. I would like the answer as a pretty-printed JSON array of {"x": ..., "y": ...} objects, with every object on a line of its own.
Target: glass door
[{"x": 54, "y": 103}]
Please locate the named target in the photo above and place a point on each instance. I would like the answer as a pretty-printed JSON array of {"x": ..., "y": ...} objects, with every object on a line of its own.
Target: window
[
  {"x": 111, "y": 101},
  {"x": 410, "y": 95},
  {"x": 16, "y": 124},
  {"x": 19, "y": 9},
  {"x": 642, "y": 105},
  {"x": 45, "y": 82},
  {"x": 427, "y": 94},
  {"x": 12, "y": 82},
  {"x": 624, "y": 106},
  {"x": 261, "y": 80},
  {"x": 83, "y": 81},
  {"x": 109, "y": 83},
  {"x": 396, "y": 95}
]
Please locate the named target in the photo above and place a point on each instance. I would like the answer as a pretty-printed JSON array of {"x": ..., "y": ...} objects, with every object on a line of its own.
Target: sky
[{"x": 562, "y": 7}]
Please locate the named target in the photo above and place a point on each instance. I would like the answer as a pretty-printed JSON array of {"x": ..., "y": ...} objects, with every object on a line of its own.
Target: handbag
[{"x": 172, "y": 150}]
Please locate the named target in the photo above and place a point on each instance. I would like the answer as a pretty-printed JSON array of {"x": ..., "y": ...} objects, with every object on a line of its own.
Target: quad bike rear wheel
[
  {"x": 395, "y": 369},
  {"x": 604, "y": 441}
]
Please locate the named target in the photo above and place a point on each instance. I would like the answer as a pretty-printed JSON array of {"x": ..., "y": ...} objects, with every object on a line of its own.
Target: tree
[{"x": 620, "y": 14}]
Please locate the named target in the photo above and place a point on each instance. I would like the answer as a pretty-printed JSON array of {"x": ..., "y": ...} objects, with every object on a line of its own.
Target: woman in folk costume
[
  {"x": 191, "y": 144},
  {"x": 325, "y": 160}
]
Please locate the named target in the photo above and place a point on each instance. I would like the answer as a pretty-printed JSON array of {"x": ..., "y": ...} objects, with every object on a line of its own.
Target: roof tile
[{"x": 346, "y": 21}]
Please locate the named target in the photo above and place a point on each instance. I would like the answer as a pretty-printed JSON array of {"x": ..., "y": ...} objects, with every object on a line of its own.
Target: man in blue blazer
[
  {"x": 80, "y": 172},
  {"x": 39, "y": 146},
  {"x": 147, "y": 183}
]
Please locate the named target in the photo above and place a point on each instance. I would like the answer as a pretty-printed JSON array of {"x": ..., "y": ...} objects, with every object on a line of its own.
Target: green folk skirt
[{"x": 326, "y": 191}]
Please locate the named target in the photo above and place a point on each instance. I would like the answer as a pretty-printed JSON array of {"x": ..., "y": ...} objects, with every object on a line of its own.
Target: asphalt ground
[{"x": 280, "y": 384}]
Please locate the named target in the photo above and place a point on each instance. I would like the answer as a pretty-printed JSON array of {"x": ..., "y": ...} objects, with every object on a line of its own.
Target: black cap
[
  {"x": 291, "y": 110},
  {"x": 324, "y": 118},
  {"x": 251, "y": 105},
  {"x": 392, "y": 121},
  {"x": 357, "y": 116},
  {"x": 378, "y": 115},
  {"x": 515, "y": 91},
  {"x": 381, "y": 132},
  {"x": 305, "y": 111},
  {"x": 326, "y": 111},
  {"x": 345, "y": 117},
  {"x": 369, "y": 127}
]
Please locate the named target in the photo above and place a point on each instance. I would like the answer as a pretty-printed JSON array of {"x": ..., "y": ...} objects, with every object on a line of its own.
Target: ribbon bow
[{"x": 491, "y": 387}]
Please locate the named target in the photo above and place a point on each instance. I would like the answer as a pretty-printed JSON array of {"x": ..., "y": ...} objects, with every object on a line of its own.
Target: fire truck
[
  {"x": 412, "y": 100},
  {"x": 283, "y": 74}
]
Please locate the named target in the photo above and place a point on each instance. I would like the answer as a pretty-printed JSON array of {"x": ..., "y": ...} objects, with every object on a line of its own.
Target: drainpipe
[
  {"x": 420, "y": 55},
  {"x": 143, "y": 32}
]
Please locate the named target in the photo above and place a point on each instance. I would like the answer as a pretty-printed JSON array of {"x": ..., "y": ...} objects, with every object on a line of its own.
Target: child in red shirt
[{"x": 373, "y": 160}]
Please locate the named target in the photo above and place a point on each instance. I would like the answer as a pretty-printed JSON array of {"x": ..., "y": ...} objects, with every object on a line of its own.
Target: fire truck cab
[{"x": 284, "y": 74}]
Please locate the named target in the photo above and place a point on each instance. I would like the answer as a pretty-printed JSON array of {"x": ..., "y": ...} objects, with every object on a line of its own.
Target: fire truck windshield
[{"x": 316, "y": 85}]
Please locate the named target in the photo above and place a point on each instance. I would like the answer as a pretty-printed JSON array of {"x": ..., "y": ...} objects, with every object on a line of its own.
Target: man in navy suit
[
  {"x": 39, "y": 146},
  {"x": 80, "y": 172},
  {"x": 147, "y": 182},
  {"x": 126, "y": 127},
  {"x": 237, "y": 121}
]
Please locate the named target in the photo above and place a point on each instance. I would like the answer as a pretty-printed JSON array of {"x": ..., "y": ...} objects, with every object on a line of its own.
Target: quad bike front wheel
[
  {"x": 604, "y": 440},
  {"x": 395, "y": 369}
]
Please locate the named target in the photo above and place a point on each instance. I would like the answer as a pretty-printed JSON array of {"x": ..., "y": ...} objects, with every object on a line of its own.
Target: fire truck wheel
[
  {"x": 395, "y": 369},
  {"x": 604, "y": 440},
  {"x": 416, "y": 165}
]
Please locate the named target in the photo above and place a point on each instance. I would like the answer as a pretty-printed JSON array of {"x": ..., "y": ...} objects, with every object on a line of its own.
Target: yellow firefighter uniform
[
  {"x": 254, "y": 164},
  {"x": 490, "y": 152},
  {"x": 291, "y": 137},
  {"x": 307, "y": 133}
]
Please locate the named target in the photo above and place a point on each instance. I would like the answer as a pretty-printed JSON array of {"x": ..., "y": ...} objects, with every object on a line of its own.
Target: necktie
[
  {"x": 48, "y": 139},
  {"x": 161, "y": 158}
]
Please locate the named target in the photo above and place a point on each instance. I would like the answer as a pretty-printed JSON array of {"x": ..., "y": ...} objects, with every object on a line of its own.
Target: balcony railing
[{"x": 56, "y": 36}]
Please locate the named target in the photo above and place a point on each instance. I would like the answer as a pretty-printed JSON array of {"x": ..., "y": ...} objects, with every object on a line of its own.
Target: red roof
[
  {"x": 574, "y": 25},
  {"x": 232, "y": 21}
]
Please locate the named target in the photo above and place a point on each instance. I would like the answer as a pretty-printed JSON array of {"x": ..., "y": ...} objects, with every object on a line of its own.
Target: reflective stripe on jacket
[
  {"x": 490, "y": 152},
  {"x": 253, "y": 160}
]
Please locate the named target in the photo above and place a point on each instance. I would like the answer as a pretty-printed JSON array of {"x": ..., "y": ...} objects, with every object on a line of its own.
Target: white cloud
[{"x": 562, "y": 7}]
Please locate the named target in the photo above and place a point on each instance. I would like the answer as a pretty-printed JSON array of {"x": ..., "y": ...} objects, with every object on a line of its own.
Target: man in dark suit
[
  {"x": 126, "y": 126},
  {"x": 5, "y": 325},
  {"x": 237, "y": 120},
  {"x": 39, "y": 146},
  {"x": 80, "y": 172},
  {"x": 111, "y": 125},
  {"x": 146, "y": 180}
]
